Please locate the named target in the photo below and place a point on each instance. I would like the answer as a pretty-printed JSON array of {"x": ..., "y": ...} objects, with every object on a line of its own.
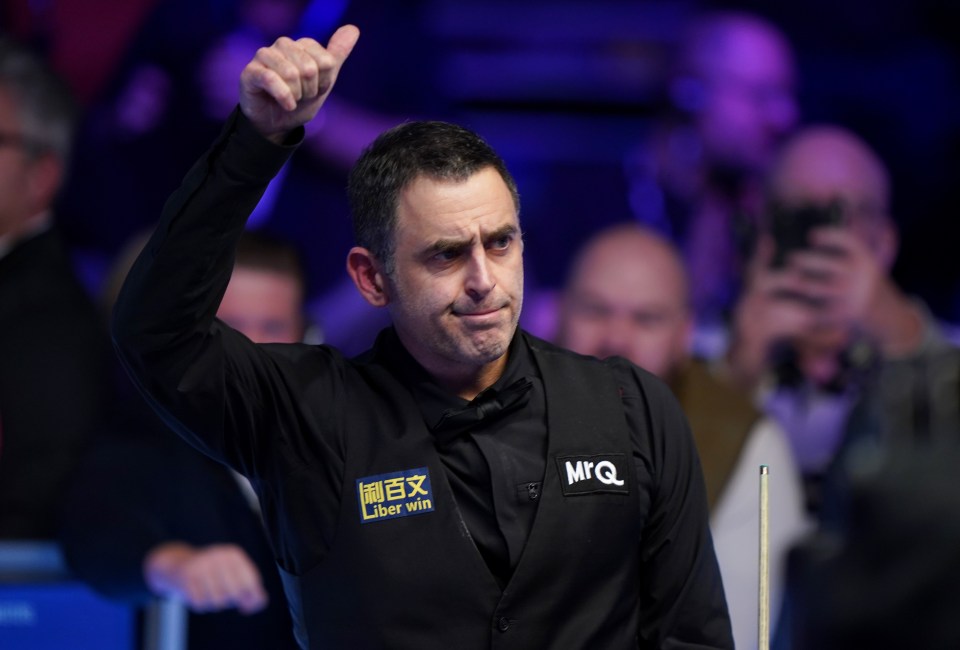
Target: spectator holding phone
[{"x": 820, "y": 311}]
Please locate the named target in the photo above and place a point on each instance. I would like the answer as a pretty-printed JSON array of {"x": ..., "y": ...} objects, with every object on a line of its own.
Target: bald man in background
[
  {"x": 813, "y": 329},
  {"x": 628, "y": 295}
]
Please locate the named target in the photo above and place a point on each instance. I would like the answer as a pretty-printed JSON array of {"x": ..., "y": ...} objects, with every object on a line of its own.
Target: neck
[
  {"x": 456, "y": 377},
  {"x": 469, "y": 382}
]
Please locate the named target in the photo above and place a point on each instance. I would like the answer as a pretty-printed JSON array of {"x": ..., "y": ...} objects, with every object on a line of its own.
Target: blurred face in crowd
[
  {"x": 27, "y": 180},
  {"x": 456, "y": 288},
  {"x": 826, "y": 164},
  {"x": 628, "y": 296},
  {"x": 264, "y": 305},
  {"x": 748, "y": 105}
]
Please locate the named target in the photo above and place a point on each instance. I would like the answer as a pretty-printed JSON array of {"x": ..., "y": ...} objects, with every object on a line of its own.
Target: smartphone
[{"x": 791, "y": 226}]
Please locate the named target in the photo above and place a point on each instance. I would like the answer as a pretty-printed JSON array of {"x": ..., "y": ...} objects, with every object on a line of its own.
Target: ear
[{"x": 366, "y": 272}]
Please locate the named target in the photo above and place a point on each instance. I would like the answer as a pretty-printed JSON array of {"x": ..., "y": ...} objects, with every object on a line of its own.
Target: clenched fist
[{"x": 285, "y": 84}]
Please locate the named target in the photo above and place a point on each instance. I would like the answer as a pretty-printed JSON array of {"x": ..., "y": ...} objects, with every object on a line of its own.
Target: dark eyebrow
[
  {"x": 504, "y": 231},
  {"x": 447, "y": 246}
]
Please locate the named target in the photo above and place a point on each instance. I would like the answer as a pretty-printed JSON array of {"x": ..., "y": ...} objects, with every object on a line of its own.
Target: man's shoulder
[
  {"x": 625, "y": 373},
  {"x": 542, "y": 347}
]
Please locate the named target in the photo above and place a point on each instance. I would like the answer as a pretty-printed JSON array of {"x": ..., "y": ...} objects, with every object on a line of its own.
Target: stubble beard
[
  {"x": 451, "y": 340},
  {"x": 483, "y": 346}
]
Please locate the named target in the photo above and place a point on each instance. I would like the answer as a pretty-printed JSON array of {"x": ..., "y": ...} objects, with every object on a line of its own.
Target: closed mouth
[{"x": 478, "y": 313}]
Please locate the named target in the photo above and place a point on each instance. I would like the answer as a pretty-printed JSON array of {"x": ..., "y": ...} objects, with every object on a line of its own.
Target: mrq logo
[{"x": 591, "y": 474}]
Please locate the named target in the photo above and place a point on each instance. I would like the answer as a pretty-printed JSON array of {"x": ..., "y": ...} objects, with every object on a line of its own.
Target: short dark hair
[
  {"x": 263, "y": 252},
  {"x": 437, "y": 150},
  {"x": 46, "y": 107}
]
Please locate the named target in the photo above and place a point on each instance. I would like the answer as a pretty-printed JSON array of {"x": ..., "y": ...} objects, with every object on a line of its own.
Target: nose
[{"x": 479, "y": 280}]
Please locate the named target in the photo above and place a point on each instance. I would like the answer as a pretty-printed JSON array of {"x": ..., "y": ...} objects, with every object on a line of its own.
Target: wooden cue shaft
[{"x": 764, "y": 614}]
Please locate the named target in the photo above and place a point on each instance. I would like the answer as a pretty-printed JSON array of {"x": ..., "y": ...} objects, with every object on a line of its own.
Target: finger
[
  {"x": 242, "y": 581},
  {"x": 330, "y": 59},
  {"x": 217, "y": 593},
  {"x": 341, "y": 43},
  {"x": 833, "y": 237},
  {"x": 307, "y": 66},
  {"x": 252, "y": 598},
  {"x": 771, "y": 279},
  {"x": 258, "y": 77},
  {"x": 282, "y": 58},
  {"x": 781, "y": 283},
  {"x": 197, "y": 593},
  {"x": 796, "y": 293},
  {"x": 795, "y": 317},
  {"x": 327, "y": 64},
  {"x": 820, "y": 264}
]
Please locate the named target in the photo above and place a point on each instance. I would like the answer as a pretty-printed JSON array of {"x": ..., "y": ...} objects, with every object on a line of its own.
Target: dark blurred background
[{"x": 563, "y": 89}]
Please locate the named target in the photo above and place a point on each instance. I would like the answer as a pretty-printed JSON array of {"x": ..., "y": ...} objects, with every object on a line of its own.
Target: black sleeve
[
  {"x": 268, "y": 411},
  {"x": 207, "y": 381},
  {"x": 682, "y": 603}
]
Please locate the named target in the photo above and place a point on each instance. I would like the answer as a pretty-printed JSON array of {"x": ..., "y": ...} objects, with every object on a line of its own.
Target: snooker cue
[{"x": 764, "y": 613}]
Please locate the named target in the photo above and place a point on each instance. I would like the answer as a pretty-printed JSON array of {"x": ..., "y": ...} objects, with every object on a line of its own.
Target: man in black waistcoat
[{"x": 462, "y": 484}]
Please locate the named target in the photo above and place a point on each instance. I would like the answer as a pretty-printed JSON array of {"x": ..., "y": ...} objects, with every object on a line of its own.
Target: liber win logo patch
[{"x": 397, "y": 494}]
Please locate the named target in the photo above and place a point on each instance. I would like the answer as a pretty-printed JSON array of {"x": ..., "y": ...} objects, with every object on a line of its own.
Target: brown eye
[
  {"x": 446, "y": 256},
  {"x": 501, "y": 243}
]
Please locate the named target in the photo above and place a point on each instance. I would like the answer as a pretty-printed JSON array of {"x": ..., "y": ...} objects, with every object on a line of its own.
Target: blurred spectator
[
  {"x": 886, "y": 577},
  {"x": 884, "y": 550},
  {"x": 53, "y": 347},
  {"x": 148, "y": 515},
  {"x": 820, "y": 311},
  {"x": 730, "y": 104},
  {"x": 628, "y": 295}
]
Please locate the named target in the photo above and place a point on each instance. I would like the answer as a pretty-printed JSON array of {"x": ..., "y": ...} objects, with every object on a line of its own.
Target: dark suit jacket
[{"x": 53, "y": 354}]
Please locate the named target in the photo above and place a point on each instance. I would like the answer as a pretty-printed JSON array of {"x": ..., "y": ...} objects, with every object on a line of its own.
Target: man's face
[
  {"x": 627, "y": 298},
  {"x": 457, "y": 287},
  {"x": 263, "y": 305},
  {"x": 16, "y": 169}
]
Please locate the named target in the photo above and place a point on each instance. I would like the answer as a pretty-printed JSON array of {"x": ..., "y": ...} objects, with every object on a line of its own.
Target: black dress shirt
[{"x": 495, "y": 465}]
